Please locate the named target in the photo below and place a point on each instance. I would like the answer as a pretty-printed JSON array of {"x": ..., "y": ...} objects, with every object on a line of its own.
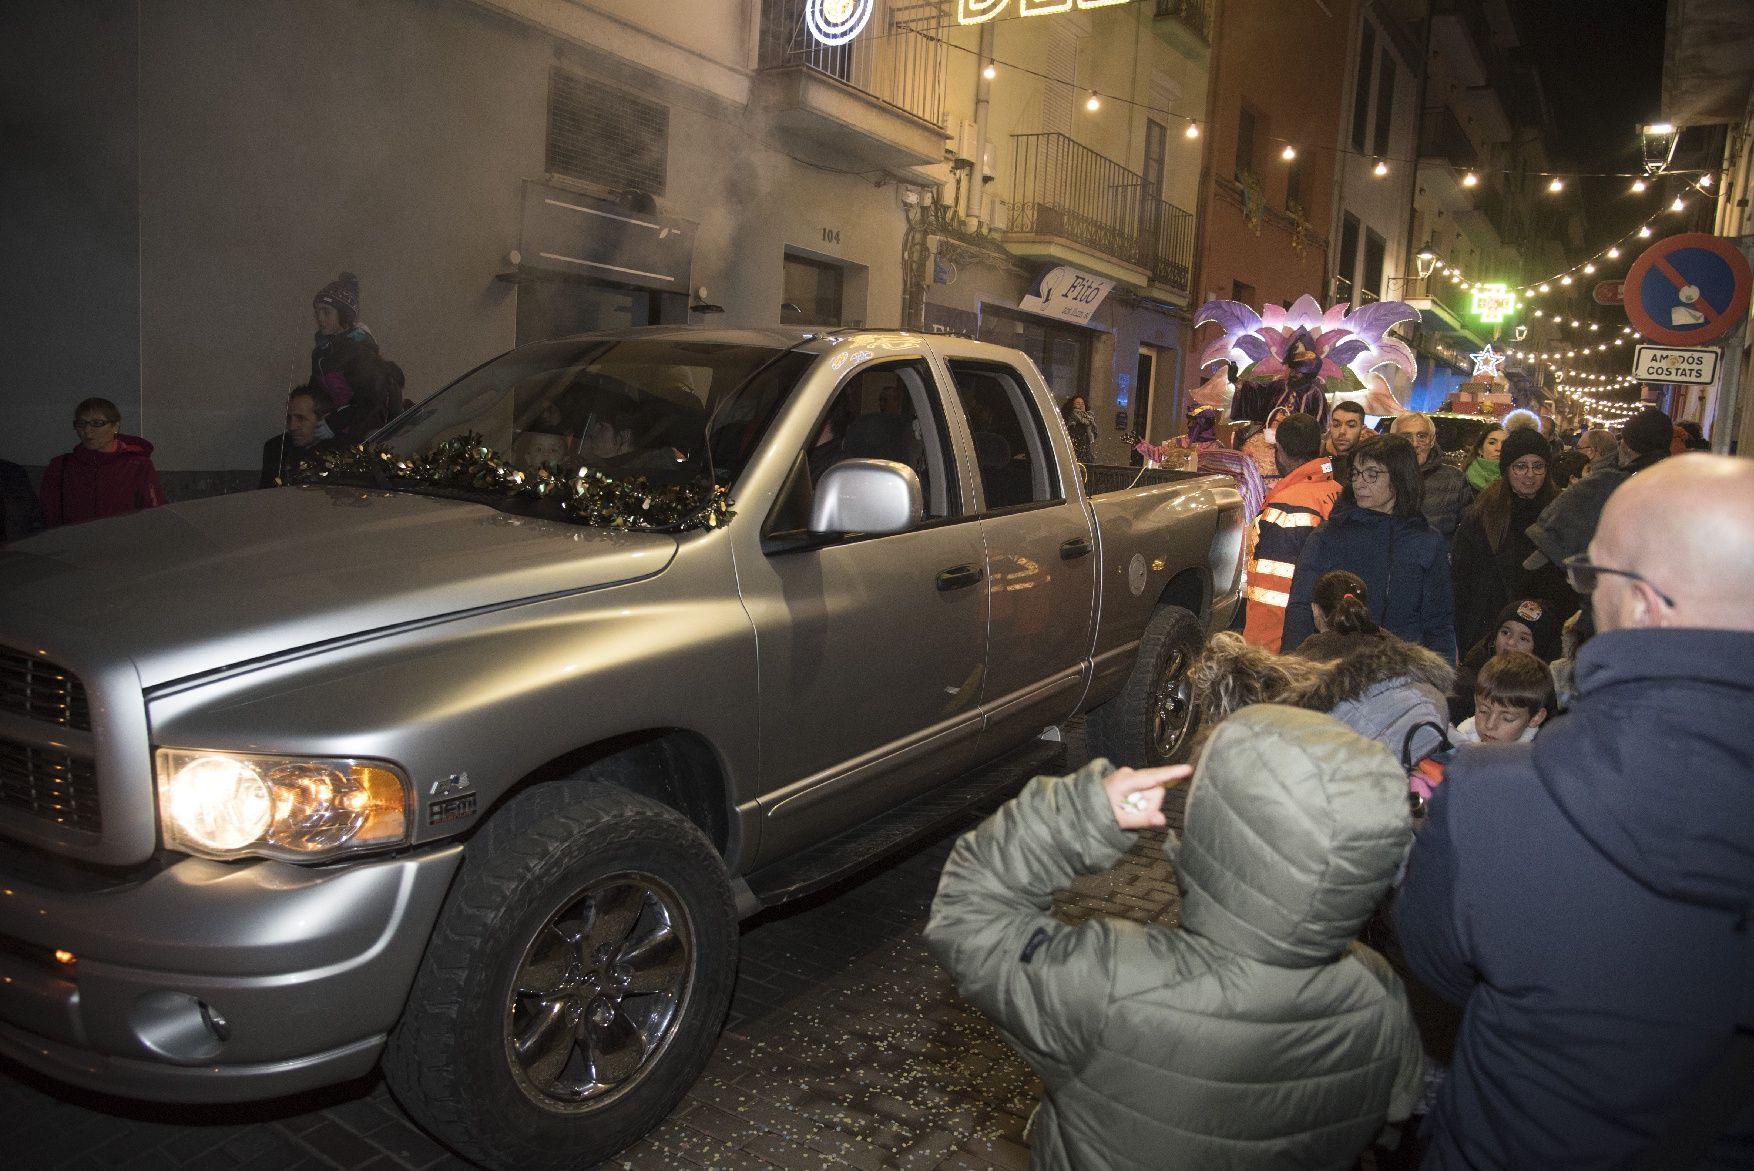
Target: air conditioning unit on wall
[{"x": 962, "y": 149}]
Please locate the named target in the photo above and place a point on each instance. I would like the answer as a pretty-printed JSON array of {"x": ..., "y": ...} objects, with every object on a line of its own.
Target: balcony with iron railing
[
  {"x": 1064, "y": 193},
  {"x": 877, "y": 99}
]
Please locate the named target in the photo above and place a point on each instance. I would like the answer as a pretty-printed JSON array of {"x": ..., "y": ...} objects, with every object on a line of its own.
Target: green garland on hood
[{"x": 465, "y": 463}]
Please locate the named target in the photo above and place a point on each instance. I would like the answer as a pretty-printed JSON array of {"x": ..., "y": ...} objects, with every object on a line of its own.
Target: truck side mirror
[{"x": 866, "y": 496}]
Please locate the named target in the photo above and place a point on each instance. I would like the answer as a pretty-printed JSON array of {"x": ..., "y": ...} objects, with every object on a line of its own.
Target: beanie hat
[
  {"x": 1542, "y": 619},
  {"x": 1649, "y": 430},
  {"x": 1523, "y": 441},
  {"x": 343, "y": 294}
]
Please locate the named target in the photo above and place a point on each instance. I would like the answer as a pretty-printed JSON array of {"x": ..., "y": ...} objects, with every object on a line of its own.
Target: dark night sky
[{"x": 1601, "y": 65}]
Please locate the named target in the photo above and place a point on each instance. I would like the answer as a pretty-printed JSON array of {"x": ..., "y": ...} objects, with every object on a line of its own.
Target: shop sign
[
  {"x": 981, "y": 11},
  {"x": 1669, "y": 364},
  {"x": 1493, "y": 303},
  {"x": 1065, "y": 294}
]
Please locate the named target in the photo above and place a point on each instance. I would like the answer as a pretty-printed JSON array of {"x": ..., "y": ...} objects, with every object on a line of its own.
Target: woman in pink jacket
[{"x": 107, "y": 474}]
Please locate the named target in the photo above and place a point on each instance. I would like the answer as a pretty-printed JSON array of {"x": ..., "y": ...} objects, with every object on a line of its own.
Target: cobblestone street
[{"x": 846, "y": 1047}]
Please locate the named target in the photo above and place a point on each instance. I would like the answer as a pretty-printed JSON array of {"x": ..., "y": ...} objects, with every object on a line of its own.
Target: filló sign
[
  {"x": 981, "y": 11},
  {"x": 1067, "y": 294}
]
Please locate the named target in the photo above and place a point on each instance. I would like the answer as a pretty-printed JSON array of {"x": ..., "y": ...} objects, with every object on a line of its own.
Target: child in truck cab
[{"x": 1256, "y": 1034}]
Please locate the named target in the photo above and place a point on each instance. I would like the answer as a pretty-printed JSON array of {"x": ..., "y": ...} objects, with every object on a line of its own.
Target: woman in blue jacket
[{"x": 1377, "y": 531}]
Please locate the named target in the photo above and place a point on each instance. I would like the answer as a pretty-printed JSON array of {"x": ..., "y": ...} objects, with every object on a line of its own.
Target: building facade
[
  {"x": 1270, "y": 175},
  {"x": 501, "y": 171},
  {"x": 1072, "y": 165},
  {"x": 1482, "y": 211}
]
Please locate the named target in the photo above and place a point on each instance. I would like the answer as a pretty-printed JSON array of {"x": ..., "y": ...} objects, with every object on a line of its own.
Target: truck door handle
[
  {"x": 1075, "y": 548},
  {"x": 958, "y": 576}
]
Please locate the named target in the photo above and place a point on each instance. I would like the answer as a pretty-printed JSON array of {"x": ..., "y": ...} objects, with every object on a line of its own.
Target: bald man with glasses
[{"x": 1588, "y": 898}]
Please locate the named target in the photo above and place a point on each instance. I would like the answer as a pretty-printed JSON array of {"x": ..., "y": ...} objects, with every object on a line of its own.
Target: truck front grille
[
  {"x": 40, "y": 690},
  {"x": 51, "y": 784}
]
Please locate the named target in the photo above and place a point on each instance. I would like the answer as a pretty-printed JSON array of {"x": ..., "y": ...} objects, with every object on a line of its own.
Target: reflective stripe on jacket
[{"x": 1298, "y": 505}]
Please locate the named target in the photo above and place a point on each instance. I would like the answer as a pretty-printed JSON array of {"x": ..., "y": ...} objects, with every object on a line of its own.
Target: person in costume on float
[
  {"x": 1213, "y": 456},
  {"x": 1300, "y": 392}
]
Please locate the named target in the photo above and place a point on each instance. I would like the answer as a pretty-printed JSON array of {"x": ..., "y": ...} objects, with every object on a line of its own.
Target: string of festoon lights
[
  {"x": 1604, "y": 407},
  {"x": 1613, "y": 251},
  {"x": 971, "y": 13},
  {"x": 1573, "y": 351}
]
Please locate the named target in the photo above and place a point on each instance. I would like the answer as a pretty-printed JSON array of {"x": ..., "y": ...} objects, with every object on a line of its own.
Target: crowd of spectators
[{"x": 1558, "y": 887}]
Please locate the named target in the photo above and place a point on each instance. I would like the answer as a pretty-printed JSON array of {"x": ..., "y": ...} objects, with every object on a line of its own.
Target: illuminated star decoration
[{"x": 1486, "y": 362}]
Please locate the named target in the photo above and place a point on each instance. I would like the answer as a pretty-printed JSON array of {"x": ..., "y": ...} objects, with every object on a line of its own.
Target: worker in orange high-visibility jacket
[{"x": 1299, "y": 502}]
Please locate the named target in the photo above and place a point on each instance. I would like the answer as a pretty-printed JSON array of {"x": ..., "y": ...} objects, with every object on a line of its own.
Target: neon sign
[
  {"x": 981, "y": 11},
  {"x": 835, "y": 22},
  {"x": 1493, "y": 303}
]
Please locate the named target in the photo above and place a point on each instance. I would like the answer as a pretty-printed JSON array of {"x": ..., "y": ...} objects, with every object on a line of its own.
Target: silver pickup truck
[{"x": 468, "y": 755}]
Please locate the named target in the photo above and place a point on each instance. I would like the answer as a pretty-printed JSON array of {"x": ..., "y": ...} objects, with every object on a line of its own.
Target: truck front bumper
[{"x": 216, "y": 982}]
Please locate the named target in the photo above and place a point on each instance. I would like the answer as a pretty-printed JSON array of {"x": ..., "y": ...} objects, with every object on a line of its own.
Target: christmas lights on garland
[
  {"x": 1588, "y": 268},
  {"x": 465, "y": 463}
]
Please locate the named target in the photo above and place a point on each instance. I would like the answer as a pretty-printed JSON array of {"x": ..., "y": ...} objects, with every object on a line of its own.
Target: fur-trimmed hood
[
  {"x": 1383, "y": 688},
  {"x": 1377, "y": 661}
]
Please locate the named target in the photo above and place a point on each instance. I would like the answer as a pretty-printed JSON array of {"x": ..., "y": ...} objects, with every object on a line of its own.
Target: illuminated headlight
[{"x": 223, "y": 805}]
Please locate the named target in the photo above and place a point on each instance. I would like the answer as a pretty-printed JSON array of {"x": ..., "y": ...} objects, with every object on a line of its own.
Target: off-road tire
[
  {"x": 625, "y": 868},
  {"x": 1151, "y": 721}
]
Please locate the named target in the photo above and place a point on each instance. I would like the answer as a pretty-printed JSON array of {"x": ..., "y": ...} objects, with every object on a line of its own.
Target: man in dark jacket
[
  {"x": 289, "y": 452},
  {"x": 1446, "y": 488},
  {"x": 1566, "y": 525},
  {"x": 1586, "y": 897}
]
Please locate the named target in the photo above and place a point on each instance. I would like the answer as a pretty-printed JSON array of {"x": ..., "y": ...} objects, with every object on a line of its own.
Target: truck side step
[{"x": 876, "y": 839}]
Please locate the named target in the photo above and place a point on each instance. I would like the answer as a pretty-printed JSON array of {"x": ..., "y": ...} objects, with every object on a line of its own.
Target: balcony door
[{"x": 1151, "y": 191}]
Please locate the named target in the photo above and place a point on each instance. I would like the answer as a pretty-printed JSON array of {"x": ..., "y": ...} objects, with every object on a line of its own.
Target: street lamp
[
  {"x": 1659, "y": 146},
  {"x": 1425, "y": 260}
]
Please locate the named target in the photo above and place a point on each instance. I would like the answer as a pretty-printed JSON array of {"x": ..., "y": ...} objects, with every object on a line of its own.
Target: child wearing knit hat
[{"x": 1530, "y": 625}]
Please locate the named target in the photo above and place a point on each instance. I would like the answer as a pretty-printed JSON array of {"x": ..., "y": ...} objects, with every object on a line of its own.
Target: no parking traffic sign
[{"x": 1688, "y": 289}]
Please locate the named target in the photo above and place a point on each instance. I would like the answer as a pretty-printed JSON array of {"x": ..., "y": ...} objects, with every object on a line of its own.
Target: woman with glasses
[
  {"x": 106, "y": 474},
  {"x": 1492, "y": 542},
  {"x": 1378, "y": 532}
]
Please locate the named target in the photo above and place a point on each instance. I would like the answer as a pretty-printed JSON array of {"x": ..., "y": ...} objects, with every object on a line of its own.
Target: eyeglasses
[
  {"x": 1368, "y": 475},
  {"x": 92, "y": 424},
  {"x": 1583, "y": 577}
]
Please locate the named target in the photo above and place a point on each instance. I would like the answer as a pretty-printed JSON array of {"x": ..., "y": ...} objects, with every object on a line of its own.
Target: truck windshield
[{"x": 671, "y": 411}]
